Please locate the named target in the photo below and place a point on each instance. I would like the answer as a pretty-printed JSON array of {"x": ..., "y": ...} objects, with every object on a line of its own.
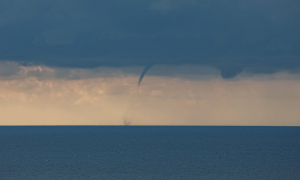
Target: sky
[{"x": 212, "y": 62}]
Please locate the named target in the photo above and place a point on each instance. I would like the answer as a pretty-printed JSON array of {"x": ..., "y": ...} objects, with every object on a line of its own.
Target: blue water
[{"x": 142, "y": 153}]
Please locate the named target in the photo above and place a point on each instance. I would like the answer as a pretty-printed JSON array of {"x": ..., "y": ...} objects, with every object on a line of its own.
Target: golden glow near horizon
[{"x": 47, "y": 96}]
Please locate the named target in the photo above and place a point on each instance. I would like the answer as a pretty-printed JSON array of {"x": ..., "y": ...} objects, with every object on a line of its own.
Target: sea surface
[{"x": 149, "y": 152}]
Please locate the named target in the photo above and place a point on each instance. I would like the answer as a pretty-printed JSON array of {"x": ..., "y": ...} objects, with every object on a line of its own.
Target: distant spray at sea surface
[
  {"x": 144, "y": 72},
  {"x": 126, "y": 121}
]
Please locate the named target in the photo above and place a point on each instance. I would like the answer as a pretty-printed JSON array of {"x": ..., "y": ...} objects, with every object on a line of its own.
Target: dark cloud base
[{"x": 258, "y": 36}]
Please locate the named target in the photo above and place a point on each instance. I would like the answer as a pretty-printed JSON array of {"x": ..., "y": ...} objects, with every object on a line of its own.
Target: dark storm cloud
[{"x": 261, "y": 36}]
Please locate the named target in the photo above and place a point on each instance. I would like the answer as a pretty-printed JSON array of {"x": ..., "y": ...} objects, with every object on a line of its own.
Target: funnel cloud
[{"x": 146, "y": 69}]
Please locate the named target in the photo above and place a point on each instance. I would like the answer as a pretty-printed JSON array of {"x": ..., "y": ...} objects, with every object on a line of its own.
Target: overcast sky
[{"x": 72, "y": 53}]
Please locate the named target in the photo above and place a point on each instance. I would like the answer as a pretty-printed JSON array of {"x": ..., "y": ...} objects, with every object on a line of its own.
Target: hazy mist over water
[{"x": 149, "y": 152}]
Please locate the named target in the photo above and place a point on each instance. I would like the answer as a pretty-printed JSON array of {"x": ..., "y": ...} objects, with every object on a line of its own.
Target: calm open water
[{"x": 142, "y": 153}]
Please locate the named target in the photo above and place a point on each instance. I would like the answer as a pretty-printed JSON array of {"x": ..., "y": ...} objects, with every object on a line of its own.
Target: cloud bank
[
  {"x": 272, "y": 100},
  {"x": 259, "y": 36}
]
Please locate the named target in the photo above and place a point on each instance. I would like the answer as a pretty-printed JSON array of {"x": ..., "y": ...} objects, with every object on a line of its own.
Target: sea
[{"x": 149, "y": 153}]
